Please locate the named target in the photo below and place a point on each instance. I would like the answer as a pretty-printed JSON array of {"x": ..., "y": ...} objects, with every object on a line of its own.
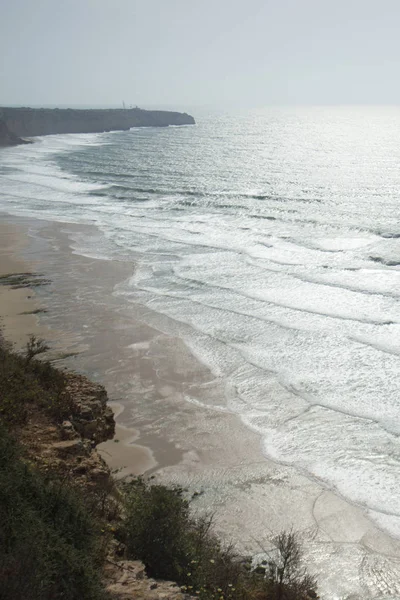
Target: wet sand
[
  {"x": 171, "y": 422},
  {"x": 17, "y": 306}
]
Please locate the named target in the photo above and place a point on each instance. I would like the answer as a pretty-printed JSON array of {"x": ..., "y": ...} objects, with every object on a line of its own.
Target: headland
[{"x": 22, "y": 122}]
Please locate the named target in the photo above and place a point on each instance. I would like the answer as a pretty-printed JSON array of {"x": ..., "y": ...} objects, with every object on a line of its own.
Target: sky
[{"x": 194, "y": 53}]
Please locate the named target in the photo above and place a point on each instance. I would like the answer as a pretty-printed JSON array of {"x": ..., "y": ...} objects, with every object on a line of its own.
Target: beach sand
[
  {"x": 170, "y": 416},
  {"x": 17, "y": 306}
]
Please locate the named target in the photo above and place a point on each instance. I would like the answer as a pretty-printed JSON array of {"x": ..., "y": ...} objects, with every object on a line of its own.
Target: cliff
[
  {"x": 30, "y": 122},
  {"x": 7, "y": 138},
  {"x": 59, "y": 504},
  {"x": 67, "y": 448}
]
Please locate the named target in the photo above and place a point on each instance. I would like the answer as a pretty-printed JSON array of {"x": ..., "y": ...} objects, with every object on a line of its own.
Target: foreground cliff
[
  {"x": 69, "y": 531},
  {"x": 29, "y": 122},
  {"x": 59, "y": 505}
]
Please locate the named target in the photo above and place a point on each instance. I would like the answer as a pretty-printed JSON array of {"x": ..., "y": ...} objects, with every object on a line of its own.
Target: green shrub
[
  {"x": 155, "y": 529},
  {"x": 160, "y": 531},
  {"x": 49, "y": 545}
]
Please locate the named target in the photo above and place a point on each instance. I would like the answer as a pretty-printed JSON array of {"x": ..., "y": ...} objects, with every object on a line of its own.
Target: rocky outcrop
[
  {"x": 91, "y": 417},
  {"x": 127, "y": 579},
  {"x": 7, "y": 138},
  {"x": 31, "y": 122},
  {"x": 69, "y": 449}
]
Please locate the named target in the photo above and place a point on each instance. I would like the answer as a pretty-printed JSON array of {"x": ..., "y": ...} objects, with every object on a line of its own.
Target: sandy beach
[
  {"x": 169, "y": 415},
  {"x": 17, "y": 305}
]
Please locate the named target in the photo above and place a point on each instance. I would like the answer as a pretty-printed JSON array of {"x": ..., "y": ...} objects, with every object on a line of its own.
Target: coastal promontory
[
  {"x": 30, "y": 122},
  {"x": 7, "y": 137}
]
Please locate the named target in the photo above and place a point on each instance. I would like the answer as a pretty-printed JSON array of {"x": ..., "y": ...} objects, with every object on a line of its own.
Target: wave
[
  {"x": 279, "y": 275},
  {"x": 266, "y": 300}
]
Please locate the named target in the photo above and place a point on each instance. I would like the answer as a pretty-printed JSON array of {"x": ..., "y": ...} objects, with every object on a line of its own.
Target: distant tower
[{"x": 123, "y": 104}]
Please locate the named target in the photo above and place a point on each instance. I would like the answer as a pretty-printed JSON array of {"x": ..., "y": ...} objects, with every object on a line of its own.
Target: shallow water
[{"x": 271, "y": 241}]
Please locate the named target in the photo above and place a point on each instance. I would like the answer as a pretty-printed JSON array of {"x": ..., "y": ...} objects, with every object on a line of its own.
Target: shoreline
[
  {"x": 147, "y": 374},
  {"x": 19, "y": 318}
]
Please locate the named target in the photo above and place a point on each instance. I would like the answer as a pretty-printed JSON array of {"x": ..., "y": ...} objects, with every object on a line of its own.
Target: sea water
[{"x": 271, "y": 241}]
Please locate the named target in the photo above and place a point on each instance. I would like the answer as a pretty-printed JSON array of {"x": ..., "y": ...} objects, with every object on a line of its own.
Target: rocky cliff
[
  {"x": 68, "y": 449},
  {"x": 67, "y": 452},
  {"x": 28, "y": 122},
  {"x": 7, "y": 138}
]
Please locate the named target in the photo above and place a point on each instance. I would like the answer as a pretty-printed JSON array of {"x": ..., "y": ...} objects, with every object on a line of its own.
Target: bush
[
  {"x": 160, "y": 531},
  {"x": 285, "y": 577},
  {"x": 155, "y": 529},
  {"x": 34, "y": 347},
  {"x": 49, "y": 544}
]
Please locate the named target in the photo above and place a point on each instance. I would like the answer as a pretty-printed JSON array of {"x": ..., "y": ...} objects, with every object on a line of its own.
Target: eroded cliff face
[
  {"x": 68, "y": 450},
  {"x": 7, "y": 138},
  {"x": 31, "y": 122}
]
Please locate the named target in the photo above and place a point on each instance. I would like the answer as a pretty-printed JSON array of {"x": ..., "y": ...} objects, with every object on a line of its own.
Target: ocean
[{"x": 268, "y": 242}]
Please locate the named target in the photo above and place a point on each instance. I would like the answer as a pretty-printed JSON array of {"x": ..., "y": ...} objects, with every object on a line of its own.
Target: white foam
[
  {"x": 338, "y": 244},
  {"x": 266, "y": 257},
  {"x": 354, "y": 456}
]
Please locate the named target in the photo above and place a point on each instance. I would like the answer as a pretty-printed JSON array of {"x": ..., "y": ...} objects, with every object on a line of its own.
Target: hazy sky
[{"x": 188, "y": 53}]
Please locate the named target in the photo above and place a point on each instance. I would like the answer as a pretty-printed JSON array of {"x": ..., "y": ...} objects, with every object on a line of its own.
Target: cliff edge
[
  {"x": 30, "y": 122},
  {"x": 8, "y": 138}
]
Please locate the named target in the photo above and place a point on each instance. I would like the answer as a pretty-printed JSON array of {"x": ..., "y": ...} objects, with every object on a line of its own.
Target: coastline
[
  {"x": 19, "y": 318},
  {"x": 32, "y": 122},
  {"x": 147, "y": 374}
]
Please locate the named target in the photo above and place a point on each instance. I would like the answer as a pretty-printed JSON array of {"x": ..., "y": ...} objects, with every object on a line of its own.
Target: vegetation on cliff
[
  {"x": 68, "y": 531},
  {"x": 160, "y": 529},
  {"x": 50, "y": 538},
  {"x": 50, "y": 544},
  {"x": 27, "y": 384}
]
